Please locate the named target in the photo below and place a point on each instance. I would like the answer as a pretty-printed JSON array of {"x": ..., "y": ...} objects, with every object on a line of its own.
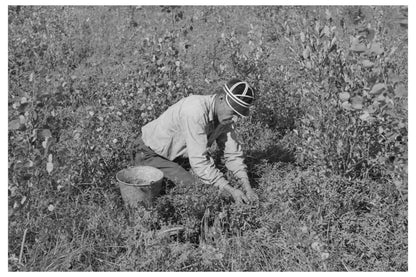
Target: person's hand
[
  {"x": 252, "y": 196},
  {"x": 239, "y": 196}
]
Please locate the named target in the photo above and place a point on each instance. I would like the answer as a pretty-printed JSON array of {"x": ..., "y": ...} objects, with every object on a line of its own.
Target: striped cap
[{"x": 239, "y": 96}]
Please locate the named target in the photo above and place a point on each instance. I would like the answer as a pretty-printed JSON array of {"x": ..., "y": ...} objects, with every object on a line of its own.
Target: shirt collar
[{"x": 211, "y": 108}]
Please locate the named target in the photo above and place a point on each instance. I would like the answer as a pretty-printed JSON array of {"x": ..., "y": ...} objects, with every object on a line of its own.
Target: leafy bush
[{"x": 355, "y": 102}]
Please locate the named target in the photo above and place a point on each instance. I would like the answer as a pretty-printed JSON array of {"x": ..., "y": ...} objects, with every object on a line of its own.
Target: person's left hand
[{"x": 251, "y": 195}]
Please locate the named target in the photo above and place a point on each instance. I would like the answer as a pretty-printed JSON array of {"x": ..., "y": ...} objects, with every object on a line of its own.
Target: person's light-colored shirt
[{"x": 187, "y": 129}]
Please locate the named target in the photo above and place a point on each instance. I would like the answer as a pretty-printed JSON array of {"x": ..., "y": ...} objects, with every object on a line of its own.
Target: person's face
[{"x": 225, "y": 114}]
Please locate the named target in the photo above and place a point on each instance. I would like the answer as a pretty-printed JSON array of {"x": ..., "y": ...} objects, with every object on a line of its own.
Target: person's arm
[
  {"x": 233, "y": 153},
  {"x": 196, "y": 144},
  {"x": 202, "y": 164},
  {"x": 234, "y": 160}
]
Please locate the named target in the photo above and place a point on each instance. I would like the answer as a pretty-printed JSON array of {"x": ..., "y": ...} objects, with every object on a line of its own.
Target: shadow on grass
[{"x": 272, "y": 154}]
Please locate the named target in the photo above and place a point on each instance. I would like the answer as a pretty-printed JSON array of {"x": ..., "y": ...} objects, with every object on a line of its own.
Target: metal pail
[{"x": 139, "y": 184}]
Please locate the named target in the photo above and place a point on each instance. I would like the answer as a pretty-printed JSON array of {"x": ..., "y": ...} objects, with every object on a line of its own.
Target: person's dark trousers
[{"x": 171, "y": 170}]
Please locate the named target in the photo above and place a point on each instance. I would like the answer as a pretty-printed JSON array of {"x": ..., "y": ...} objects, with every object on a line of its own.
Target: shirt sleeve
[
  {"x": 196, "y": 143},
  {"x": 233, "y": 153}
]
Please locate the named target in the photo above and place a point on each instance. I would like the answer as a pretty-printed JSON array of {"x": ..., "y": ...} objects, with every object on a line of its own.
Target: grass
[{"x": 302, "y": 223}]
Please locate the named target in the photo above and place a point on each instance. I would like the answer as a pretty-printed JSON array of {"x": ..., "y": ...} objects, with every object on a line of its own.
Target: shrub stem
[{"x": 21, "y": 247}]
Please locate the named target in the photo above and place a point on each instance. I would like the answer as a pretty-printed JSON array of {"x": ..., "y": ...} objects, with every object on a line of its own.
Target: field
[{"x": 326, "y": 144}]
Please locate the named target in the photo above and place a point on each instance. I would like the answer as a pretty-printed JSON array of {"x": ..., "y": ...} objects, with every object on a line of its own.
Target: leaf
[
  {"x": 339, "y": 146},
  {"x": 49, "y": 167},
  {"x": 400, "y": 91},
  {"x": 371, "y": 34},
  {"x": 357, "y": 46},
  {"x": 316, "y": 245},
  {"x": 14, "y": 124},
  {"x": 403, "y": 22},
  {"x": 142, "y": 107},
  {"x": 368, "y": 33},
  {"x": 371, "y": 109},
  {"x": 12, "y": 190},
  {"x": 29, "y": 164},
  {"x": 344, "y": 96},
  {"x": 328, "y": 14},
  {"x": 365, "y": 116},
  {"x": 317, "y": 27},
  {"x": 357, "y": 102},
  {"x": 378, "y": 88},
  {"x": 346, "y": 105},
  {"x": 376, "y": 48},
  {"x": 326, "y": 31},
  {"x": 306, "y": 53},
  {"x": 45, "y": 143},
  {"x": 367, "y": 63},
  {"x": 23, "y": 107},
  {"x": 380, "y": 130},
  {"x": 394, "y": 78},
  {"x": 302, "y": 36},
  {"x": 22, "y": 119},
  {"x": 334, "y": 39},
  {"x": 46, "y": 133},
  {"x": 381, "y": 98},
  {"x": 324, "y": 255},
  {"x": 49, "y": 164}
]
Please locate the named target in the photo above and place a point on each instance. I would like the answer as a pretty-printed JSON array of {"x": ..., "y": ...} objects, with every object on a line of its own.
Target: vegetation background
[{"x": 326, "y": 143}]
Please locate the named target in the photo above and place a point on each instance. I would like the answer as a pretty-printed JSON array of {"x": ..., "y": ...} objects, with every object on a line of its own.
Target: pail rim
[{"x": 147, "y": 184}]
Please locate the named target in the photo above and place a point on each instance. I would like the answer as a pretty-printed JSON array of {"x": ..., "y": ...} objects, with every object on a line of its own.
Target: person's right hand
[
  {"x": 252, "y": 196},
  {"x": 239, "y": 196}
]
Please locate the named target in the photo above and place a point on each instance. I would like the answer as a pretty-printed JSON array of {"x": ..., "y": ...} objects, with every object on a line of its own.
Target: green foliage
[
  {"x": 326, "y": 141},
  {"x": 355, "y": 99}
]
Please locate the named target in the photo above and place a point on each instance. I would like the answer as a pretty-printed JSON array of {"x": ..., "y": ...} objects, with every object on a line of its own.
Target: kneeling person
[{"x": 189, "y": 127}]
